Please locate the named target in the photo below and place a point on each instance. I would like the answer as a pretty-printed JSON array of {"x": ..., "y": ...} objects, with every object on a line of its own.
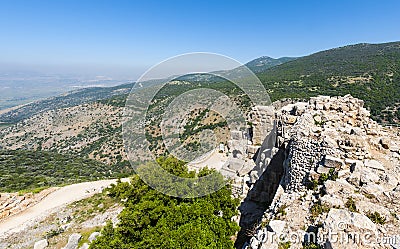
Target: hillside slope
[
  {"x": 265, "y": 62},
  {"x": 90, "y": 130},
  {"x": 367, "y": 71}
]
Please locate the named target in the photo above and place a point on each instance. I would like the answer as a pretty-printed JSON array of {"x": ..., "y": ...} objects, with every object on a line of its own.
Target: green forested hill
[
  {"x": 367, "y": 71},
  {"x": 29, "y": 170},
  {"x": 263, "y": 63}
]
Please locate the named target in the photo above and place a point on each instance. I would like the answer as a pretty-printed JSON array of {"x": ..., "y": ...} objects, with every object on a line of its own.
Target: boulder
[
  {"x": 355, "y": 179},
  {"x": 333, "y": 162},
  {"x": 391, "y": 180},
  {"x": 73, "y": 241},
  {"x": 385, "y": 142},
  {"x": 84, "y": 246},
  {"x": 367, "y": 206},
  {"x": 332, "y": 201},
  {"x": 93, "y": 236},
  {"x": 373, "y": 164},
  {"x": 372, "y": 189},
  {"x": 354, "y": 165},
  {"x": 340, "y": 185},
  {"x": 344, "y": 173},
  {"x": 322, "y": 169},
  {"x": 367, "y": 176},
  {"x": 41, "y": 244},
  {"x": 342, "y": 222}
]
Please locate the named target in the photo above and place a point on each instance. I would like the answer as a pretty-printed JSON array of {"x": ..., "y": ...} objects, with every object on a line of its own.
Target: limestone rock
[
  {"x": 333, "y": 162},
  {"x": 73, "y": 241},
  {"x": 367, "y": 176},
  {"x": 355, "y": 165},
  {"x": 322, "y": 169},
  {"x": 391, "y": 180},
  {"x": 41, "y": 244},
  {"x": 374, "y": 164},
  {"x": 385, "y": 142},
  {"x": 355, "y": 179},
  {"x": 84, "y": 246},
  {"x": 341, "y": 221},
  {"x": 372, "y": 189},
  {"x": 340, "y": 185},
  {"x": 93, "y": 236},
  {"x": 332, "y": 201},
  {"x": 367, "y": 206}
]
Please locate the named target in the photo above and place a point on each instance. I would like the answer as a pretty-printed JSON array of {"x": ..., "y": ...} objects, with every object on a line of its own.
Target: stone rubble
[{"x": 325, "y": 135}]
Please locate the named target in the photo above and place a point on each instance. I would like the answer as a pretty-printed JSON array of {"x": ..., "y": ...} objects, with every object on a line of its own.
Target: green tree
[{"x": 151, "y": 219}]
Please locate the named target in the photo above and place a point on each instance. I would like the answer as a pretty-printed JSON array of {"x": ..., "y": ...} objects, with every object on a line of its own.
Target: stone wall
[{"x": 322, "y": 134}]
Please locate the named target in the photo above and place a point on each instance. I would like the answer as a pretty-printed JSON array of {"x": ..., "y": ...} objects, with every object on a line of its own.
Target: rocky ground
[
  {"x": 13, "y": 203},
  {"x": 69, "y": 226},
  {"x": 341, "y": 183}
]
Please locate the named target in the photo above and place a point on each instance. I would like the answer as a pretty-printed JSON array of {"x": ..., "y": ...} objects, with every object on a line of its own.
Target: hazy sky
[{"x": 129, "y": 36}]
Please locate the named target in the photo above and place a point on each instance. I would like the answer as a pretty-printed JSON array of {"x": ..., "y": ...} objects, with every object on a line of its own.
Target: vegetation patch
[
  {"x": 32, "y": 171},
  {"x": 153, "y": 220},
  {"x": 376, "y": 217},
  {"x": 318, "y": 209},
  {"x": 351, "y": 205}
]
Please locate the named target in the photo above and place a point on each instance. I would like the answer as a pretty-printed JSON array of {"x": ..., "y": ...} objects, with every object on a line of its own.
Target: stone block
[{"x": 373, "y": 164}]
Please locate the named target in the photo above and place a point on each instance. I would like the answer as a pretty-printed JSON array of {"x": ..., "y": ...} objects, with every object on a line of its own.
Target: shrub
[
  {"x": 318, "y": 209},
  {"x": 332, "y": 175},
  {"x": 312, "y": 185},
  {"x": 281, "y": 210},
  {"x": 376, "y": 217},
  {"x": 351, "y": 205}
]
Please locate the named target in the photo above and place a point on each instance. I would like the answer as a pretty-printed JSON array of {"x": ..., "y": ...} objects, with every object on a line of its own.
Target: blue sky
[{"x": 133, "y": 35}]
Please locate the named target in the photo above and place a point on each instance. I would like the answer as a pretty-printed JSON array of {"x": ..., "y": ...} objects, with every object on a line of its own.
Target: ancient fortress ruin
[{"x": 289, "y": 144}]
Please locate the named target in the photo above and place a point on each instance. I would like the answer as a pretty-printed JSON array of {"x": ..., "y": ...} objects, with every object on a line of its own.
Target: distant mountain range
[{"x": 367, "y": 71}]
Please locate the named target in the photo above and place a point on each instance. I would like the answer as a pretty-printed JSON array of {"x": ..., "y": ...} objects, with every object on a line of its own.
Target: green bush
[
  {"x": 318, "y": 209},
  {"x": 376, "y": 217},
  {"x": 153, "y": 220},
  {"x": 281, "y": 210},
  {"x": 351, "y": 205}
]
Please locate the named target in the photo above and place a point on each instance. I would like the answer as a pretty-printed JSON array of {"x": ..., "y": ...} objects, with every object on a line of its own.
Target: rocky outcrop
[
  {"x": 340, "y": 169},
  {"x": 13, "y": 203}
]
